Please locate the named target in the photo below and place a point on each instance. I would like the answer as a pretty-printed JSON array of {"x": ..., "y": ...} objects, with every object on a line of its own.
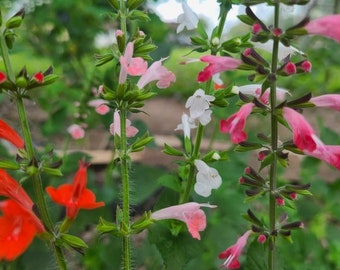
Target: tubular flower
[
  {"x": 198, "y": 103},
  {"x": 131, "y": 131},
  {"x": 76, "y": 131},
  {"x": 9, "y": 134},
  {"x": 18, "y": 228},
  {"x": 328, "y": 26},
  {"x": 235, "y": 123},
  {"x": 186, "y": 125},
  {"x": 207, "y": 179},
  {"x": 329, "y": 101},
  {"x": 188, "y": 19},
  {"x": 100, "y": 106},
  {"x": 305, "y": 139},
  {"x": 157, "y": 72},
  {"x": 18, "y": 223},
  {"x": 216, "y": 65},
  {"x": 190, "y": 213},
  {"x": 133, "y": 66},
  {"x": 75, "y": 196},
  {"x": 232, "y": 253}
]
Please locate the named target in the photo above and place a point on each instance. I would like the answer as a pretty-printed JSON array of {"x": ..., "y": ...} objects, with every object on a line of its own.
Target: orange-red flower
[
  {"x": 18, "y": 223},
  {"x": 75, "y": 196},
  {"x": 9, "y": 134}
]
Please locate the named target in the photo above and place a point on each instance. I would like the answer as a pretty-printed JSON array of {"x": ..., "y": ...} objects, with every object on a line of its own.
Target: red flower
[
  {"x": 75, "y": 196},
  {"x": 9, "y": 134},
  {"x": 18, "y": 228},
  {"x": 3, "y": 77},
  {"x": 18, "y": 223}
]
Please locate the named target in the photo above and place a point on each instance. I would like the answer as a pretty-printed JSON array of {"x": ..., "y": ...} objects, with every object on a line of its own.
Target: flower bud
[
  {"x": 262, "y": 238},
  {"x": 290, "y": 68},
  {"x": 256, "y": 28}
]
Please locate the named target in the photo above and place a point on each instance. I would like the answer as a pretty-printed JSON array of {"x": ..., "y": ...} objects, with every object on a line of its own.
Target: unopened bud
[
  {"x": 256, "y": 28},
  {"x": 290, "y": 68},
  {"x": 215, "y": 41},
  {"x": 262, "y": 238},
  {"x": 280, "y": 201}
]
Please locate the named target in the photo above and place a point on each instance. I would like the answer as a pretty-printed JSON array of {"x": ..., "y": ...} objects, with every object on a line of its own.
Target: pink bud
[
  {"x": 277, "y": 32},
  {"x": 306, "y": 66},
  {"x": 293, "y": 195},
  {"x": 256, "y": 28},
  {"x": 119, "y": 33},
  {"x": 247, "y": 52},
  {"x": 290, "y": 68},
  {"x": 261, "y": 156},
  {"x": 280, "y": 201},
  {"x": 247, "y": 170},
  {"x": 241, "y": 180},
  {"x": 262, "y": 238}
]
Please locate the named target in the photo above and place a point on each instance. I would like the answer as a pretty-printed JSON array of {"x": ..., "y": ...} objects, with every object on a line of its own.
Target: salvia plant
[{"x": 265, "y": 56}]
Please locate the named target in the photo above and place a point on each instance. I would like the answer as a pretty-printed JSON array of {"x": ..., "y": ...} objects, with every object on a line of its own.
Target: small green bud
[
  {"x": 14, "y": 22},
  {"x": 21, "y": 82}
]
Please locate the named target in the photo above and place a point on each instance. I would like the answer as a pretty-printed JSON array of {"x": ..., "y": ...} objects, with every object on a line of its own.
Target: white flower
[
  {"x": 186, "y": 125},
  {"x": 283, "y": 50},
  {"x": 207, "y": 179},
  {"x": 205, "y": 117},
  {"x": 188, "y": 19},
  {"x": 198, "y": 103}
]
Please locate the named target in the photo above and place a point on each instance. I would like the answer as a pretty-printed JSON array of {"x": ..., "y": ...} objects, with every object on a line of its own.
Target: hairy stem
[
  {"x": 36, "y": 178},
  {"x": 274, "y": 146}
]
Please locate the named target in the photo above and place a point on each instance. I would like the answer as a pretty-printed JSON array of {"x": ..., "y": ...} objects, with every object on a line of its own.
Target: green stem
[
  {"x": 274, "y": 145},
  {"x": 191, "y": 175},
  {"x": 123, "y": 17},
  {"x": 5, "y": 57},
  {"x": 125, "y": 190},
  {"x": 36, "y": 178}
]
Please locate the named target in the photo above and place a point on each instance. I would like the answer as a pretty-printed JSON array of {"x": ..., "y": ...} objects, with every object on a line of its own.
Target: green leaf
[
  {"x": 73, "y": 241},
  {"x": 246, "y": 19},
  {"x": 138, "y": 15},
  {"x": 256, "y": 257},
  {"x": 9, "y": 165},
  {"x": 170, "y": 181},
  {"x": 176, "y": 251},
  {"x": 201, "y": 31},
  {"x": 169, "y": 150}
]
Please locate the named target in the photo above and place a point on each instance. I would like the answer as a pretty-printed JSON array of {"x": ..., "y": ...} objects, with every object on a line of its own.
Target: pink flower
[
  {"x": 328, "y": 26},
  {"x": 100, "y": 106},
  {"x": 303, "y": 133},
  {"x": 76, "y": 131},
  {"x": 131, "y": 131},
  {"x": 190, "y": 213},
  {"x": 133, "y": 66},
  {"x": 236, "y": 122},
  {"x": 305, "y": 139},
  {"x": 330, "y": 100},
  {"x": 216, "y": 65},
  {"x": 157, "y": 72},
  {"x": 232, "y": 253},
  {"x": 306, "y": 66}
]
